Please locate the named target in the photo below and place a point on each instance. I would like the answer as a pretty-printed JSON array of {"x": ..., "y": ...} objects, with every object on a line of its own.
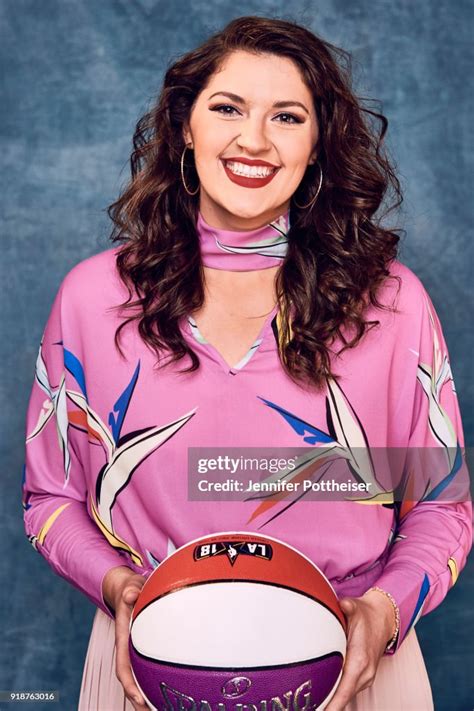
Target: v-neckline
[{"x": 194, "y": 331}]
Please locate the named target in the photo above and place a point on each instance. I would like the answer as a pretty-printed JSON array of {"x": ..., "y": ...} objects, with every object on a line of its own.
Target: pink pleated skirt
[{"x": 401, "y": 683}]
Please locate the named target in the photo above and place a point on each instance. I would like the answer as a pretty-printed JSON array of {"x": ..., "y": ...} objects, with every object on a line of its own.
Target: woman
[{"x": 254, "y": 301}]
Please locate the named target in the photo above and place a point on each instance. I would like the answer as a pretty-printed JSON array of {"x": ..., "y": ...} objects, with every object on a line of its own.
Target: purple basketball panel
[{"x": 305, "y": 684}]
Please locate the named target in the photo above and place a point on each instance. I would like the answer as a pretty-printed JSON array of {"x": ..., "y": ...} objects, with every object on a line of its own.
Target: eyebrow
[{"x": 276, "y": 105}]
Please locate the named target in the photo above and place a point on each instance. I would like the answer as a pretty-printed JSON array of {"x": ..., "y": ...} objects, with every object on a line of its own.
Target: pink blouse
[{"x": 106, "y": 478}]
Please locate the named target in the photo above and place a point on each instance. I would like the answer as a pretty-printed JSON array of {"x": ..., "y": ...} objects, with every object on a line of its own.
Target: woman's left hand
[{"x": 371, "y": 623}]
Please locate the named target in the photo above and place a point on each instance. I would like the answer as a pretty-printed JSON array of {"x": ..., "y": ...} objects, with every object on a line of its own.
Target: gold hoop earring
[
  {"x": 182, "y": 174},
  {"x": 313, "y": 199}
]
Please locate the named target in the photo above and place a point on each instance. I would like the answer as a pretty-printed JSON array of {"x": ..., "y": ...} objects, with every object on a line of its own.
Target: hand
[
  {"x": 121, "y": 587},
  {"x": 371, "y": 624}
]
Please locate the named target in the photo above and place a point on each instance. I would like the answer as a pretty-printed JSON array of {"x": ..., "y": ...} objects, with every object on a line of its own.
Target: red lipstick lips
[{"x": 245, "y": 181}]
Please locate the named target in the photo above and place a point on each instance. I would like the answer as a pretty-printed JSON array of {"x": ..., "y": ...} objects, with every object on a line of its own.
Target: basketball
[{"x": 237, "y": 621}]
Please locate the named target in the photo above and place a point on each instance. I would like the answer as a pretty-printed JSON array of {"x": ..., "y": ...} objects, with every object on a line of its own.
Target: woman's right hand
[{"x": 120, "y": 588}]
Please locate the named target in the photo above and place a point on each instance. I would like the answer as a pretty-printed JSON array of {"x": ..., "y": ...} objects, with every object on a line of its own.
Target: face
[{"x": 254, "y": 131}]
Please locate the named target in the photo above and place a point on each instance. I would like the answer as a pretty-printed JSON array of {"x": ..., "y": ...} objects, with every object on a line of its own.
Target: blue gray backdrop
[{"x": 77, "y": 75}]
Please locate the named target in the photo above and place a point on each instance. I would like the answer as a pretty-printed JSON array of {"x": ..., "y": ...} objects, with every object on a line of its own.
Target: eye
[
  {"x": 289, "y": 118},
  {"x": 224, "y": 109}
]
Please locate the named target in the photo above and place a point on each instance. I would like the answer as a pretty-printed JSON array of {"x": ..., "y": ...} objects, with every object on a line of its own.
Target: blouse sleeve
[
  {"x": 56, "y": 518},
  {"x": 434, "y": 511}
]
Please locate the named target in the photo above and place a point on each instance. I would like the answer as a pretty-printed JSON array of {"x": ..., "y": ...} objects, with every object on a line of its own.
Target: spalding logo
[
  {"x": 233, "y": 549},
  {"x": 238, "y": 686},
  {"x": 300, "y": 699}
]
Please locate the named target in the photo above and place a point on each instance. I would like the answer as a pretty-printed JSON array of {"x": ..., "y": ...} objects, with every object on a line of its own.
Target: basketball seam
[{"x": 232, "y": 670}]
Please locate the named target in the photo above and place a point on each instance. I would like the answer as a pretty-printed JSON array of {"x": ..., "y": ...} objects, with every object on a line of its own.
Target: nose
[{"x": 253, "y": 136}]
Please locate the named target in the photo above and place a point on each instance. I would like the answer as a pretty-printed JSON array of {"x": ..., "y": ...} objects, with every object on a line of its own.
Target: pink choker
[{"x": 244, "y": 251}]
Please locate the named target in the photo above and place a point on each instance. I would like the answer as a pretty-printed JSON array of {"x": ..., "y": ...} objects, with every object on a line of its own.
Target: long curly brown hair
[{"x": 338, "y": 253}]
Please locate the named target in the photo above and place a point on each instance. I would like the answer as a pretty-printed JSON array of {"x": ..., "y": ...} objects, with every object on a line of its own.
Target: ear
[
  {"x": 314, "y": 158},
  {"x": 188, "y": 141},
  {"x": 314, "y": 152}
]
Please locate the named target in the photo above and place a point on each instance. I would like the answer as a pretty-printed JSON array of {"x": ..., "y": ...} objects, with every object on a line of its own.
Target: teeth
[{"x": 250, "y": 171}]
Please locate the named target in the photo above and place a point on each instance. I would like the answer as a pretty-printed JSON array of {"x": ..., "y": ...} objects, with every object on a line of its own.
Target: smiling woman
[
  {"x": 249, "y": 245},
  {"x": 270, "y": 92}
]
